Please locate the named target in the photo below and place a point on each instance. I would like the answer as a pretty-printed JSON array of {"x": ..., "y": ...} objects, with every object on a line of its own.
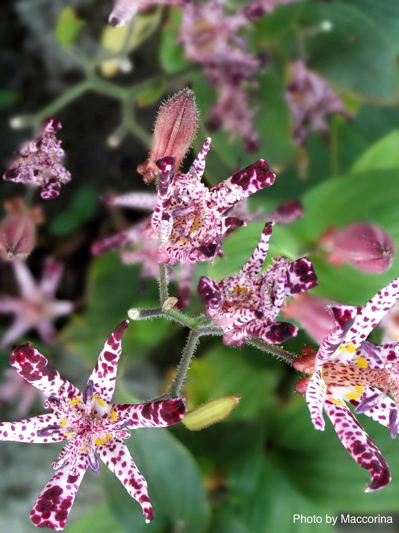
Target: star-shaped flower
[
  {"x": 93, "y": 426},
  {"x": 247, "y": 304},
  {"x": 40, "y": 162},
  {"x": 189, "y": 218},
  {"x": 347, "y": 368},
  {"x": 37, "y": 305}
]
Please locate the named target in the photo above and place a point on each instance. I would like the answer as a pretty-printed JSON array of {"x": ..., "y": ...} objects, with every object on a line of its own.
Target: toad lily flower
[
  {"x": 92, "y": 425},
  {"x": 246, "y": 304},
  {"x": 36, "y": 305},
  {"x": 189, "y": 218},
  {"x": 350, "y": 369}
]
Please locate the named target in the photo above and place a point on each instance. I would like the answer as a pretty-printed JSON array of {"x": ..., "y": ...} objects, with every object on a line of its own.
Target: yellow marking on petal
[
  {"x": 114, "y": 418},
  {"x": 361, "y": 362},
  {"x": 323, "y": 385},
  {"x": 183, "y": 241},
  {"x": 68, "y": 434},
  {"x": 351, "y": 348},
  {"x": 237, "y": 290},
  {"x": 75, "y": 401},
  {"x": 195, "y": 226},
  {"x": 100, "y": 401},
  {"x": 338, "y": 402},
  {"x": 108, "y": 437},
  {"x": 63, "y": 422},
  {"x": 99, "y": 441},
  {"x": 84, "y": 448},
  {"x": 359, "y": 389},
  {"x": 352, "y": 396}
]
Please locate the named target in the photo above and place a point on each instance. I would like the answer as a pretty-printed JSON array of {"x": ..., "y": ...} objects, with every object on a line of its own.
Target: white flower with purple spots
[
  {"x": 93, "y": 426},
  {"x": 247, "y": 304},
  {"x": 189, "y": 219},
  {"x": 350, "y": 369}
]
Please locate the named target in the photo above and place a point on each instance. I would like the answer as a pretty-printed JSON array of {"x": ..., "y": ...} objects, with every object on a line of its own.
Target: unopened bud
[
  {"x": 17, "y": 235},
  {"x": 287, "y": 212},
  {"x": 306, "y": 362},
  {"x": 210, "y": 412},
  {"x": 169, "y": 303},
  {"x": 366, "y": 246},
  {"x": 302, "y": 385},
  {"x": 123, "y": 12},
  {"x": 174, "y": 131}
]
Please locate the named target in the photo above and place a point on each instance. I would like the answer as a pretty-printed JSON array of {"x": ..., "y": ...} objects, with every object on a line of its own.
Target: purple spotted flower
[
  {"x": 36, "y": 306},
  {"x": 247, "y": 304},
  {"x": 350, "y": 369},
  {"x": 40, "y": 162},
  {"x": 93, "y": 427},
  {"x": 189, "y": 219},
  {"x": 125, "y": 10}
]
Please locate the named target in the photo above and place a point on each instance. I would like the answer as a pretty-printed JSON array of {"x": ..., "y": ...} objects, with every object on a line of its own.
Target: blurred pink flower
[
  {"x": 16, "y": 390},
  {"x": 124, "y": 10},
  {"x": 366, "y": 246},
  {"x": 36, "y": 307},
  {"x": 17, "y": 236}
]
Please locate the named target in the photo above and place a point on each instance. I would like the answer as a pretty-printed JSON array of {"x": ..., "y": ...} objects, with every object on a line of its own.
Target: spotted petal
[
  {"x": 275, "y": 333},
  {"x": 104, "y": 373},
  {"x": 158, "y": 414},
  {"x": 373, "y": 312},
  {"x": 27, "y": 430},
  {"x": 255, "y": 262},
  {"x": 55, "y": 501},
  {"x": 117, "y": 457},
  {"x": 359, "y": 445},
  {"x": 37, "y": 370},
  {"x": 315, "y": 396}
]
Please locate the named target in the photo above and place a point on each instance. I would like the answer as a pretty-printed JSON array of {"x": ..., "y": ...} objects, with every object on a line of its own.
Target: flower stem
[
  {"x": 271, "y": 348},
  {"x": 163, "y": 284},
  {"x": 182, "y": 369},
  {"x": 64, "y": 99}
]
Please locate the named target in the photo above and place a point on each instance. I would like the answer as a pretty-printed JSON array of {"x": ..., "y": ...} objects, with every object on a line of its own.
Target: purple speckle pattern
[
  {"x": 351, "y": 369},
  {"x": 247, "y": 304},
  {"x": 189, "y": 219},
  {"x": 91, "y": 426},
  {"x": 40, "y": 162}
]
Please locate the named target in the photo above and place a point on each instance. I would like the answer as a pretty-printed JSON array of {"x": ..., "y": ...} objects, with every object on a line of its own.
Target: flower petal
[
  {"x": 315, "y": 396},
  {"x": 55, "y": 501},
  {"x": 36, "y": 369},
  {"x": 300, "y": 276},
  {"x": 158, "y": 414},
  {"x": 26, "y": 430},
  {"x": 51, "y": 276},
  {"x": 198, "y": 166},
  {"x": 372, "y": 313},
  {"x": 116, "y": 456},
  {"x": 104, "y": 373},
  {"x": 209, "y": 292},
  {"x": 359, "y": 445},
  {"x": 275, "y": 333},
  {"x": 255, "y": 262},
  {"x": 344, "y": 316}
]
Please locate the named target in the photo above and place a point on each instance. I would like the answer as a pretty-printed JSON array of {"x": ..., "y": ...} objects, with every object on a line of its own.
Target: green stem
[
  {"x": 64, "y": 99},
  {"x": 271, "y": 348},
  {"x": 188, "y": 352},
  {"x": 163, "y": 284},
  {"x": 334, "y": 147}
]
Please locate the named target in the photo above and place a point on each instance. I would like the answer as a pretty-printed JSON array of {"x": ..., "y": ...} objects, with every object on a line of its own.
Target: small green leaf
[
  {"x": 101, "y": 520},
  {"x": 82, "y": 208},
  {"x": 68, "y": 27},
  {"x": 383, "y": 154},
  {"x": 171, "y": 51}
]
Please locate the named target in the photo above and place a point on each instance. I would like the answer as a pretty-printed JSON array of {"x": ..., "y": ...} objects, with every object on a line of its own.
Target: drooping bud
[
  {"x": 287, "y": 212},
  {"x": 17, "y": 236},
  {"x": 306, "y": 362},
  {"x": 366, "y": 246},
  {"x": 174, "y": 131},
  {"x": 123, "y": 12},
  {"x": 210, "y": 412},
  {"x": 312, "y": 313}
]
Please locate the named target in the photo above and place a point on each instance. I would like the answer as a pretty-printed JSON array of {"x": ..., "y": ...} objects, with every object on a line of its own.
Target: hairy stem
[
  {"x": 271, "y": 348},
  {"x": 188, "y": 352}
]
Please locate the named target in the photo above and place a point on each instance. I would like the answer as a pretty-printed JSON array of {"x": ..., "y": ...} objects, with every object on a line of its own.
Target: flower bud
[
  {"x": 174, "y": 131},
  {"x": 312, "y": 313},
  {"x": 287, "y": 212},
  {"x": 17, "y": 235},
  {"x": 209, "y": 413},
  {"x": 123, "y": 12},
  {"x": 366, "y": 246}
]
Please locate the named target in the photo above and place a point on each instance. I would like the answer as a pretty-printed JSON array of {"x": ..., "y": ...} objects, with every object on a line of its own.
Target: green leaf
[
  {"x": 175, "y": 487},
  {"x": 101, "y": 520},
  {"x": 68, "y": 27},
  {"x": 225, "y": 522},
  {"x": 383, "y": 154},
  {"x": 271, "y": 28},
  {"x": 7, "y": 97},
  {"x": 355, "y": 54},
  {"x": 171, "y": 51},
  {"x": 82, "y": 208}
]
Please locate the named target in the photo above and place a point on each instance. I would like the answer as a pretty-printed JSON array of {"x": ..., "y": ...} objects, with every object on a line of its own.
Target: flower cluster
[
  {"x": 347, "y": 368},
  {"x": 40, "y": 162},
  {"x": 92, "y": 425},
  {"x": 247, "y": 304}
]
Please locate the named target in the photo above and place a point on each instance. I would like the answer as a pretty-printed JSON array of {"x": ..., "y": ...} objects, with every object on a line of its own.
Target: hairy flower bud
[
  {"x": 174, "y": 131},
  {"x": 366, "y": 246},
  {"x": 210, "y": 412},
  {"x": 17, "y": 235}
]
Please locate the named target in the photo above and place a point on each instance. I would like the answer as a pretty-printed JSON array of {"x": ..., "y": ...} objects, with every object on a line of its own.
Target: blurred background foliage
[{"x": 265, "y": 463}]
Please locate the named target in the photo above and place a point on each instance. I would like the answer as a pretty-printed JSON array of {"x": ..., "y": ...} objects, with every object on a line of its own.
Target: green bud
[{"x": 210, "y": 412}]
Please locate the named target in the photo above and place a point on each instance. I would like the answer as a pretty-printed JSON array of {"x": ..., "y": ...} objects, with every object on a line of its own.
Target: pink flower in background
[
  {"x": 264, "y": 7},
  {"x": 92, "y": 425},
  {"x": 366, "y": 246},
  {"x": 347, "y": 368},
  {"x": 40, "y": 162},
  {"x": 124, "y": 10},
  {"x": 36, "y": 306},
  {"x": 189, "y": 219},
  {"x": 311, "y": 100},
  {"x": 14, "y": 390},
  {"x": 17, "y": 236},
  {"x": 247, "y": 304}
]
